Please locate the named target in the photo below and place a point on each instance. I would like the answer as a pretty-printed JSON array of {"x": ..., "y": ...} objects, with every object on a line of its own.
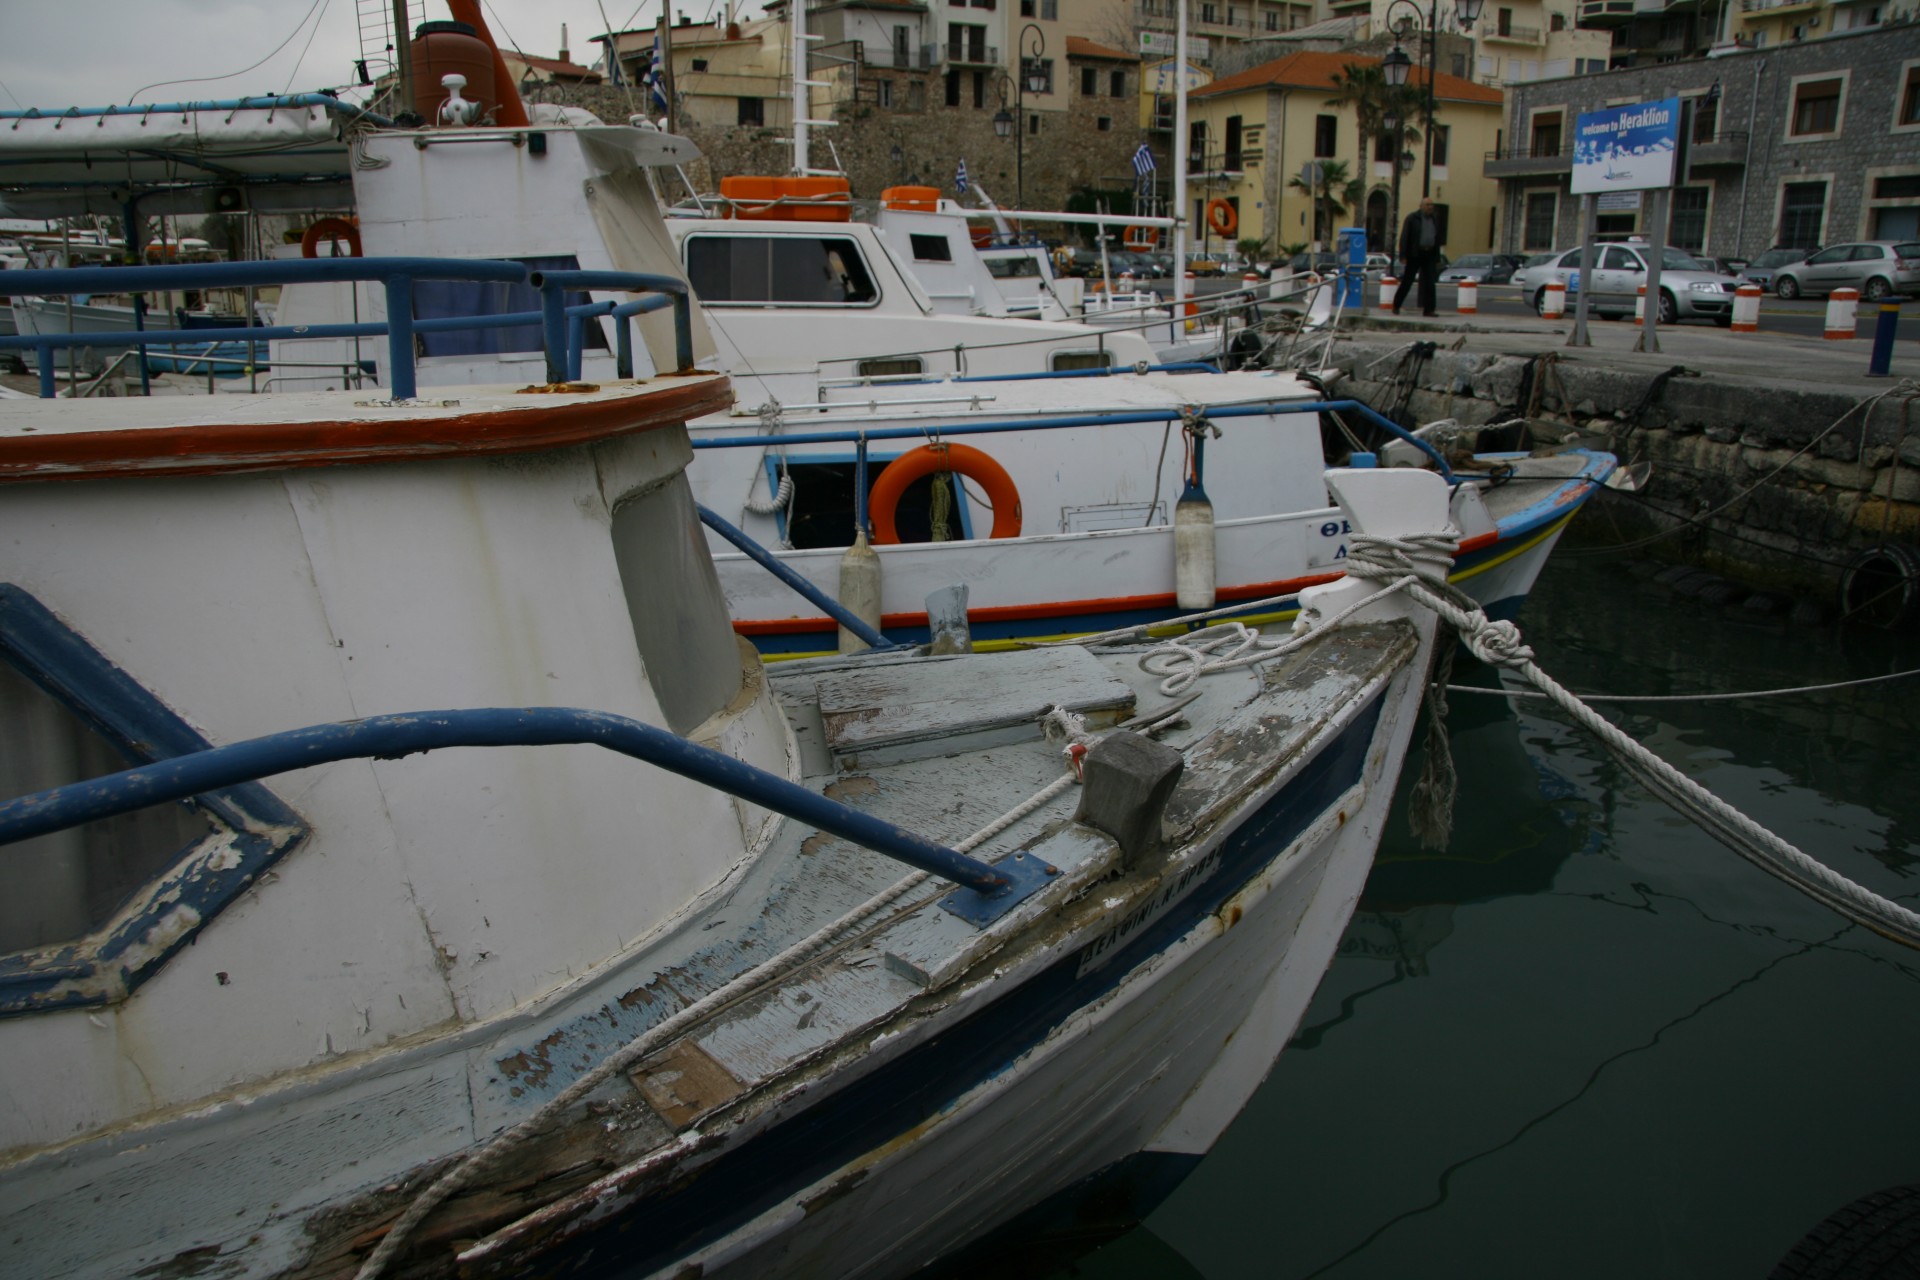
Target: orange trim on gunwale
[{"x": 546, "y": 422}]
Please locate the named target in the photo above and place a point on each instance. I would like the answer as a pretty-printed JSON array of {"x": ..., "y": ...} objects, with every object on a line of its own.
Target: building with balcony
[
  {"x": 1806, "y": 144},
  {"x": 1258, "y": 136}
]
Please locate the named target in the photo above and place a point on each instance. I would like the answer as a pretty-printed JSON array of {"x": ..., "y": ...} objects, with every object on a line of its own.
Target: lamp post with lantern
[
  {"x": 1396, "y": 66},
  {"x": 1031, "y": 79}
]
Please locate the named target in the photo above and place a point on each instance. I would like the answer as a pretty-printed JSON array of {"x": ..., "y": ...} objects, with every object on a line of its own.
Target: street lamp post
[
  {"x": 1030, "y": 78},
  {"x": 1397, "y": 64}
]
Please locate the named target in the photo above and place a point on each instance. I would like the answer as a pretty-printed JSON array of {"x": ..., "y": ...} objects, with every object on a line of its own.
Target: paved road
[{"x": 1804, "y": 317}]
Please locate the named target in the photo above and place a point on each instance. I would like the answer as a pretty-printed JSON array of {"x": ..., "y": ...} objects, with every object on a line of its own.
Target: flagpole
[{"x": 1179, "y": 209}]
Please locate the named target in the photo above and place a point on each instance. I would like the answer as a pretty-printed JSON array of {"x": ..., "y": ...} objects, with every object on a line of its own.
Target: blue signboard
[{"x": 1626, "y": 148}]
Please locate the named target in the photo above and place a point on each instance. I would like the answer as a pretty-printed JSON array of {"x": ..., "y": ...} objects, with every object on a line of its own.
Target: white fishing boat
[{"x": 320, "y": 987}]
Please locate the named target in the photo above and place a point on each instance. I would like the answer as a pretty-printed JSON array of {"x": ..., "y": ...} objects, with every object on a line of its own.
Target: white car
[{"x": 1688, "y": 291}]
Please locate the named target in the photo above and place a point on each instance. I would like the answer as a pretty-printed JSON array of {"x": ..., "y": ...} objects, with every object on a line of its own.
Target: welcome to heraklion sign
[{"x": 1626, "y": 148}]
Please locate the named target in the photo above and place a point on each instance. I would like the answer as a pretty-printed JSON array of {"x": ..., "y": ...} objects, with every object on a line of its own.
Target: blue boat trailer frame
[{"x": 562, "y": 327}]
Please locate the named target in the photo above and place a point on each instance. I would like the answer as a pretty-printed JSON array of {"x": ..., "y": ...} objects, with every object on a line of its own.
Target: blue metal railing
[
  {"x": 812, "y": 594},
  {"x": 858, "y": 437},
  {"x": 393, "y": 736},
  {"x": 561, "y": 325}
]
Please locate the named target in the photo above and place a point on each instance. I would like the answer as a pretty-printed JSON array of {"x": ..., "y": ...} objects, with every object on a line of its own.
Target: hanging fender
[
  {"x": 928, "y": 459},
  {"x": 330, "y": 229},
  {"x": 1221, "y": 217}
]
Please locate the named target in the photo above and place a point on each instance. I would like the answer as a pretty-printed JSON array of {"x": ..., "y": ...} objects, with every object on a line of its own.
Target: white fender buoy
[
  {"x": 1193, "y": 573},
  {"x": 859, "y": 589}
]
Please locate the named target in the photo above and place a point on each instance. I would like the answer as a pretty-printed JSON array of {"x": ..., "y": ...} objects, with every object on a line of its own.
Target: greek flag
[
  {"x": 656, "y": 80},
  {"x": 960, "y": 177},
  {"x": 1143, "y": 161}
]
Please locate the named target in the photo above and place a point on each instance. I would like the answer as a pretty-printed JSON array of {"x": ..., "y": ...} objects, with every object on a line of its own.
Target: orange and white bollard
[
  {"x": 1553, "y": 302},
  {"x": 1388, "y": 287},
  {"x": 1469, "y": 301},
  {"x": 1193, "y": 307},
  {"x": 1746, "y": 308},
  {"x": 1640, "y": 305},
  {"x": 1842, "y": 312}
]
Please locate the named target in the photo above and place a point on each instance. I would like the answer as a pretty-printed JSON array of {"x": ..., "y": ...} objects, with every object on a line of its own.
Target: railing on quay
[{"x": 561, "y": 325}]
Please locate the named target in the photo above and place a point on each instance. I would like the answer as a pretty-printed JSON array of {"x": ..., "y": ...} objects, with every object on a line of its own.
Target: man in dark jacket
[{"x": 1420, "y": 254}]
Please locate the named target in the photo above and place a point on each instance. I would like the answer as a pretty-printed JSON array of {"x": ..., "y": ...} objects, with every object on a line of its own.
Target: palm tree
[
  {"x": 1362, "y": 86},
  {"x": 1321, "y": 180}
]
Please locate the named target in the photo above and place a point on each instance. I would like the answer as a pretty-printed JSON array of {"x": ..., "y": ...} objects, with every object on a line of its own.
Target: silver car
[
  {"x": 1762, "y": 269},
  {"x": 1530, "y": 275},
  {"x": 1876, "y": 268},
  {"x": 1688, "y": 291}
]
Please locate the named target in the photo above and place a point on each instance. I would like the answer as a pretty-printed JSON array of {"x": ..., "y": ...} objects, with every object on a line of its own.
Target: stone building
[{"x": 1805, "y": 144}]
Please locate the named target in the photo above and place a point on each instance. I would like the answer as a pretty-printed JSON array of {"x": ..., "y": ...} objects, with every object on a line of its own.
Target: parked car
[
  {"x": 1876, "y": 268},
  {"x": 1400, "y": 267},
  {"x": 1761, "y": 270},
  {"x": 1688, "y": 290},
  {"x": 1203, "y": 264},
  {"x": 1725, "y": 266},
  {"x": 1482, "y": 268},
  {"x": 1532, "y": 266}
]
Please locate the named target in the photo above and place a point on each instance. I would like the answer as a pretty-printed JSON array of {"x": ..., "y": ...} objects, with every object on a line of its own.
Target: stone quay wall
[{"x": 1750, "y": 479}]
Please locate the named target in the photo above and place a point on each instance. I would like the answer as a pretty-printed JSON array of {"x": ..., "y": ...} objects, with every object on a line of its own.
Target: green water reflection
[{"x": 1585, "y": 1040}]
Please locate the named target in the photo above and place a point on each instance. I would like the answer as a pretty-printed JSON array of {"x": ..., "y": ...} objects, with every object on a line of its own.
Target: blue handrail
[
  {"x": 861, "y": 434},
  {"x": 813, "y": 595},
  {"x": 397, "y": 275},
  {"x": 392, "y": 736}
]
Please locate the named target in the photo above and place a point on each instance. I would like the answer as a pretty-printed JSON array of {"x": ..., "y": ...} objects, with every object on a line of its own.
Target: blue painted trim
[
  {"x": 1059, "y": 423},
  {"x": 812, "y": 594},
  {"x": 705, "y": 1203},
  {"x": 98, "y": 969},
  {"x": 392, "y": 736}
]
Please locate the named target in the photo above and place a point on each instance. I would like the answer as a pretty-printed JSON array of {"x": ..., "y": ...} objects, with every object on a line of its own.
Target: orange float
[
  {"x": 326, "y": 229},
  {"x": 1221, "y": 217},
  {"x": 1002, "y": 495}
]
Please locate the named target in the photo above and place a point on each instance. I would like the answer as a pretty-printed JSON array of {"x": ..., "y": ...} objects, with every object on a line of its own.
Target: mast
[
  {"x": 797, "y": 24},
  {"x": 1179, "y": 209}
]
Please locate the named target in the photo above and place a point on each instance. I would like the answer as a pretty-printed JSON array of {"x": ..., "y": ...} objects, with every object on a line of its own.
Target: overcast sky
[{"x": 59, "y": 53}]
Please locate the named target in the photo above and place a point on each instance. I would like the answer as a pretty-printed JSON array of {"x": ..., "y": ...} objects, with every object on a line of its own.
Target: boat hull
[{"x": 1132, "y": 1051}]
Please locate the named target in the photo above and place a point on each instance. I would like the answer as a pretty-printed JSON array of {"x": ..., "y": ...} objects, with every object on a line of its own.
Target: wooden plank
[{"x": 964, "y": 697}]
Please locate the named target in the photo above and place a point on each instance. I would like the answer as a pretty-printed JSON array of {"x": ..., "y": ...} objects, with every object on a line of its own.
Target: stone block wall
[{"x": 1784, "y": 484}]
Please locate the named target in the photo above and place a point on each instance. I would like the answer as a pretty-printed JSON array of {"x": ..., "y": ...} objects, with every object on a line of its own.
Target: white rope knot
[
  {"x": 1497, "y": 644},
  {"x": 1063, "y": 726},
  {"x": 1426, "y": 556}
]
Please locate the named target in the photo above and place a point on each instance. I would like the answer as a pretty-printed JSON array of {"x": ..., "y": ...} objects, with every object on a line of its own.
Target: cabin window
[
  {"x": 803, "y": 270},
  {"x": 436, "y": 299},
  {"x": 930, "y": 248},
  {"x": 81, "y": 904},
  {"x": 891, "y": 367},
  {"x": 1064, "y": 361},
  {"x": 1018, "y": 268},
  {"x": 821, "y": 513}
]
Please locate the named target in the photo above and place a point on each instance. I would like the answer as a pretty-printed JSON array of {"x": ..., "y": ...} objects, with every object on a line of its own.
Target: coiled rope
[{"x": 1397, "y": 560}]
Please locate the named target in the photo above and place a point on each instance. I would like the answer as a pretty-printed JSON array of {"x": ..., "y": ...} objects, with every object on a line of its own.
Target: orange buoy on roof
[
  {"x": 764, "y": 199},
  {"x": 1002, "y": 495},
  {"x": 330, "y": 229},
  {"x": 912, "y": 199},
  {"x": 1221, "y": 217}
]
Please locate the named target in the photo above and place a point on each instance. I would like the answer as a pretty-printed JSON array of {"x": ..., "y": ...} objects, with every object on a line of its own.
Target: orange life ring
[
  {"x": 925, "y": 461},
  {"x": 330, "y": 229},
  {"x": 1221, "y": 217},
  {"x": 1142, "y": 238}
]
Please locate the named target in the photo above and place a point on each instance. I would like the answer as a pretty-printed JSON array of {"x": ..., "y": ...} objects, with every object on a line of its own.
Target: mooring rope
[
  {"x": 1406, "y": 564},
  {"x": 1693, "y": 697}
]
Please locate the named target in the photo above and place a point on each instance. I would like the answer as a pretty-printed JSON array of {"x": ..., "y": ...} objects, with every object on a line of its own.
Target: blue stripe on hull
[{"x": 740, "y": 1185}]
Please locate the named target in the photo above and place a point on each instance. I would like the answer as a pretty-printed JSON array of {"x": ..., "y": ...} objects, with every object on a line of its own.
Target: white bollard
[
  {"x": 1193, "y": 308},
  {"x": 1640, "y": 305},
  {"x": 1388, "y": 286},
  {"x": 1554, "y": 303},
  {"x": 1842, "y": 309},
  {"x": 1469, "y": 302},
  {"x": 1746, "y": 308}
]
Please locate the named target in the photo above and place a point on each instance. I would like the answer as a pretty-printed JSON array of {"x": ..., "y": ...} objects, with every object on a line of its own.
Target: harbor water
[{"x": 1585, "y": 1039}]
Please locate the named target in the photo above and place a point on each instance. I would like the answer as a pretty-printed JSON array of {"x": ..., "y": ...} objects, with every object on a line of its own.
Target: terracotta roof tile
[
  {"x": 1078, "y": 48},
  {"x": 1307, "y": 70}
]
